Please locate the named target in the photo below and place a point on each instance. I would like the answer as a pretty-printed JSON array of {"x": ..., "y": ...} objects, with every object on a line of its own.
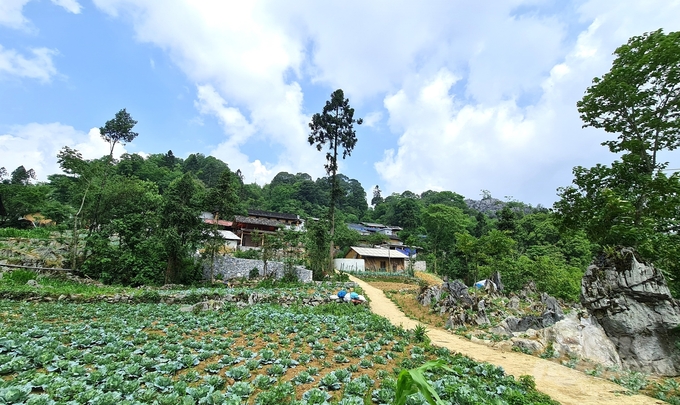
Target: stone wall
[
  {"x": 418, "y": 265},
  {"x": 231, "y": 267}
]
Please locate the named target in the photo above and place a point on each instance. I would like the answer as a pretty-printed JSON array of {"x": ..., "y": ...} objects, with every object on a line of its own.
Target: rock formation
[{"x": 632, "y": 302}]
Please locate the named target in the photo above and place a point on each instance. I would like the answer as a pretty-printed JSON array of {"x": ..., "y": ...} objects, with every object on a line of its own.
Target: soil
[{"x": 561, "y": 383}]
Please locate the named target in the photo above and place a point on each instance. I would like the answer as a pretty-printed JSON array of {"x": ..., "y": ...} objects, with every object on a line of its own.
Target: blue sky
[{"x": 456, "y": 95}]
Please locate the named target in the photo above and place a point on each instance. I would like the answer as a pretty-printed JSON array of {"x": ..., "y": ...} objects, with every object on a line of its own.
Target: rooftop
[
  {"x": 374, "y": 252},
  {"x": 269, "y": 214}
]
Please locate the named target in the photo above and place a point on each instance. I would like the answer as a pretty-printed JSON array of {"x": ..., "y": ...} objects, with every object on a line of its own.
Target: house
[
  {"x": 232, "y": 241},
  {"x": 378, "y": 259},
  {"x": 263, "y": 222},
  {"x": 368, "y": 228},
  {"x": 222, "y": 225}
]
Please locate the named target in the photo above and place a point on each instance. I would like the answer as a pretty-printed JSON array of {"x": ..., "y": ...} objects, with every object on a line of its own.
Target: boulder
[
  {"x": 633, "y": 303},
  {"x": 430, "y": 294},
  {"x": 514, "y": 303},
  {"x": 496, "y": 278},
  {"x": 582, "y": 337},
  {"x": 459, "y": 292},
  {"x": 528, "y": 345},
  {"x": 33, "y": 283}
]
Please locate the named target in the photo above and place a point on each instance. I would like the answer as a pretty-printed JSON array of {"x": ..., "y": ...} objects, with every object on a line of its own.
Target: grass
[{"x": 35, "y": 233}]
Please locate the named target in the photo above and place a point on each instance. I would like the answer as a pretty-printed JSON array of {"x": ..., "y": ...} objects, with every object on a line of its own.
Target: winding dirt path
[{"x": 562, "y": 383}]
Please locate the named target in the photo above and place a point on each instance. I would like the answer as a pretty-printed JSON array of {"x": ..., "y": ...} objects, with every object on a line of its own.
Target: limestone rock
[
  {"x": 531, "y": 346},
  {"x": 33, "y": 283},
  {"x": 429, "y": 294},
  {"x": 632, "y": 302},
  {"x": 514, "y": 303},
  {"x": 581, "y": 337},
  {"x": 496, "y": 278}
]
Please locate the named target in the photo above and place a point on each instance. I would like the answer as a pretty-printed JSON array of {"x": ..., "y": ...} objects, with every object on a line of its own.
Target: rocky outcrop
[
  {"x": 580, "y": 336},
  {"x": 632, "y": 302}
]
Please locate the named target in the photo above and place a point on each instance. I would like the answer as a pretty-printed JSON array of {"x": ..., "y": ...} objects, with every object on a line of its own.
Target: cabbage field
[{"x": 101, "y": 353}]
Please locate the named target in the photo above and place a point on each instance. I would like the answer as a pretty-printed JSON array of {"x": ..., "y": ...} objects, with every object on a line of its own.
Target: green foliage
[
  {"x": 118, "y": 130},
  {"x": 248, "y": 254},
  {"x": 420, "y": 333},
  {"x": 33, "y": 233},
  {"x": 414, "y": 381},
  {"x": 632, "y": 202},
  {"x": 19, "y": 276},
  {"x": 633, "y": 381},
  {"x": 316, "y": 242},
  {"x": 335, "y": 127}
]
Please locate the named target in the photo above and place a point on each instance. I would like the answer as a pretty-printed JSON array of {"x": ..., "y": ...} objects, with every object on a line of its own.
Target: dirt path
[{"x": 562, "y": 383}]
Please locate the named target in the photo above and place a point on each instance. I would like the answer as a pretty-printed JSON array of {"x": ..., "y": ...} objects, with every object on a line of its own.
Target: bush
[
  {"x": 248, "y": 254},
  {"x": 149, "y": 296},
  {"x": 20, "y": 276},
  {"x": 290, "y": 275},
  {"x": 34, "y": 233},
  {"x": 254, "y": 273}
]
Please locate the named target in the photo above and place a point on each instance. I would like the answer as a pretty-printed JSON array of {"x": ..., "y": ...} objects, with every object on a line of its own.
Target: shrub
[
  {"x": 254, "y": 273},
  {"x": 20, "y": 276},
  {"x": 248, "y": 254}
]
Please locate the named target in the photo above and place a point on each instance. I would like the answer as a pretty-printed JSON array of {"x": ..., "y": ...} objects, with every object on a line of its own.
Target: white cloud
[
  {"x": 36, "y": 146},
  {"x": 11, "y": 13},
  {"x": 240, "y": 52},
  {"x": 494, "y": 141},
  {"x": 479, "y": 96},
  {"x": 40, "y": 66},
  {"x": 72, "y": 6},
  {"x": 373, "y": 118}
]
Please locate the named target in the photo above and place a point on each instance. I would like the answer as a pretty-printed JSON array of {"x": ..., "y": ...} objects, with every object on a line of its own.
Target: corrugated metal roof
[
  {"x": 373, "y": 252},
  {"x": 228, "y": 235}
]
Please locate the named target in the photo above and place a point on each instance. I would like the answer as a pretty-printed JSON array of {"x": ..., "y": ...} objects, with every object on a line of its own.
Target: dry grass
[{"x": 429, "y": 278}]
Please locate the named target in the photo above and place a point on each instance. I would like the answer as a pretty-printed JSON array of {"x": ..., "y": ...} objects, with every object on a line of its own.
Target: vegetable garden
[{"x": 100, "y": 353}]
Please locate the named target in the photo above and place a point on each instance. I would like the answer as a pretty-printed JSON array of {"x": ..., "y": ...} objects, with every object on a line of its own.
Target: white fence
[{"x": 349, "y": 264}]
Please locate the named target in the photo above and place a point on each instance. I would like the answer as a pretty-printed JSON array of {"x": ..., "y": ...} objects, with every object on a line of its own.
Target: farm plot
[{"x": 264, "y": 354}]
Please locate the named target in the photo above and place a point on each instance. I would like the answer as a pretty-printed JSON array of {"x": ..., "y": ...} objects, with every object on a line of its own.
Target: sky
[{"x": 455, "y": 95}]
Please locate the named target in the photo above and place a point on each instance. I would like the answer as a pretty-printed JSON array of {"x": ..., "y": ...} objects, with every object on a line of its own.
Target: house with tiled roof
[
  {"x": 259, "y": 222},
  {"x": 376, "y": 259}
]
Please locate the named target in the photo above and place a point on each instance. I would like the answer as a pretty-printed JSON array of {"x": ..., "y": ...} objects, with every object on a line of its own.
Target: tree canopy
[{"x": 633, "y": 201}]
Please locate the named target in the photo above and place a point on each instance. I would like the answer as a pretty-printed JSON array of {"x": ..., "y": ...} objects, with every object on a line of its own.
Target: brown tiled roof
[
  {"x": 219, "y": 222},
  {"x": 256, "y": 221},
  {"x": 269, "y": 214}
]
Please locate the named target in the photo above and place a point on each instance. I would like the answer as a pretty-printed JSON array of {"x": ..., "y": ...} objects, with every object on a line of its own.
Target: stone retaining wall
[{"x": 230, "y": 267}]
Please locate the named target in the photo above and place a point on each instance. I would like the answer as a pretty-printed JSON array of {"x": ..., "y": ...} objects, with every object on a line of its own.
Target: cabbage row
[{"x": 67, "y": 353}]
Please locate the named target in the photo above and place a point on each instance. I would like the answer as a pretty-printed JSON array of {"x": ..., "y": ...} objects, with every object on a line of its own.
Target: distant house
[
  {"x": 368, "y": 228},
  {"x": 232, "y": 241},
  {"x": 223, "y": 225},
  {"x": 378, "y": 259},
  {"x": 263, "y": 222}
]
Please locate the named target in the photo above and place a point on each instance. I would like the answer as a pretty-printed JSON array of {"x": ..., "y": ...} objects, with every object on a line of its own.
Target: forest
[
  {"x": 151, "y": 208},
  {"x": 136, "y": 220}
]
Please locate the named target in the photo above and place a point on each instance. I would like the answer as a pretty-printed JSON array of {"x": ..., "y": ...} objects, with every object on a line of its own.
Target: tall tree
[
  {"x": 633, "y": 201},
  {"x": 118, "y": 130},
  {"x": 334, "y": 127},
  {"x": 22, "y": 176},
  {"x": 377, "y": 196},
  {"x": 180, "y": 219}
]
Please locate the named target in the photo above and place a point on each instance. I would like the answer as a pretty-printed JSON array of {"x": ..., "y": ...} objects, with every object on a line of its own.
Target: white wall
[{"x": 349, "y": 264}]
